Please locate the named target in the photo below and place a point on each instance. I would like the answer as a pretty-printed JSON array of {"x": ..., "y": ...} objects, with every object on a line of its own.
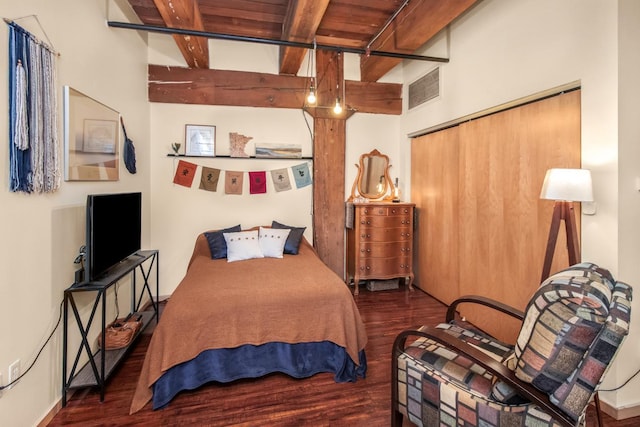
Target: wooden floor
[{"x": 278, "y": 400}]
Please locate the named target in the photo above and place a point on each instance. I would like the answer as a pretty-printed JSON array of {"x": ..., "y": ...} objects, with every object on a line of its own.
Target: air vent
[{"x": 425, "y": 88}]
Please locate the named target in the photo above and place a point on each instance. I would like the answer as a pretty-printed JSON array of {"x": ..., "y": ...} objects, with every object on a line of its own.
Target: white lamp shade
[{"x": 567, "y": 184}]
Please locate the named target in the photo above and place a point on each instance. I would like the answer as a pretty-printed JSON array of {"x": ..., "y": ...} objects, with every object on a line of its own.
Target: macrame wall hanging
[{"x": 33, "y": 134}]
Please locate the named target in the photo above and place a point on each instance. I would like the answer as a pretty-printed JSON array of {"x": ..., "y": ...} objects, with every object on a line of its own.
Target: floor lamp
[{"x": 565, "y": 186}]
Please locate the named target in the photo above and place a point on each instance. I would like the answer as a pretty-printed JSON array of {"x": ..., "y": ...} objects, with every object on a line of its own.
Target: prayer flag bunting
[
  {"x": 302, "y": 175},
  {"x": 185, "y": 173},
  {"x": 233, "y": 181},
  {"x": 209, "y": 179},
  {"x": 257, "y": 182},
  {"x": 281, "y": 181}
]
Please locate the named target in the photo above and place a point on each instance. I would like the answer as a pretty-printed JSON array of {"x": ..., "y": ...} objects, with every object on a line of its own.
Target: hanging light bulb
[
  {"x": 337, "y": 108},
  {"x": 311, "y": 99}
]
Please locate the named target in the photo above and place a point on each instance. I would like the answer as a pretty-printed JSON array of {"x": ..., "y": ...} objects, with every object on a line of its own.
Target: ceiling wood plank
[
  {"x": 186, "y": 15},
  {"x": 414, "y": 25},
  {"x": 239, "y": 88},
  {"x": 371, "y": 97},
  {"x": 224, "y": 87},
  {"x": 300, "y": 25}
]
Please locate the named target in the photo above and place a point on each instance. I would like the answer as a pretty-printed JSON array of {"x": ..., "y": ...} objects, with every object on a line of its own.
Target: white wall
[
  {"x": 180, "y": 213},
  {"x": 41, "y": 234},
  {"x": 628, "y": 184},
  {"x": 504, "y": 50}
]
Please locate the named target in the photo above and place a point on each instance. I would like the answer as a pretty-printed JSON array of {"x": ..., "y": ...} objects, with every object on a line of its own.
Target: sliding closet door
[
  {"x": 499, "y": 224},
  {"x": 434, "y": 169}
]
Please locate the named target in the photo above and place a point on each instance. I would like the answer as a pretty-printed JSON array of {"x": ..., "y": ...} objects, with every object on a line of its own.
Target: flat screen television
[{"x": 114, "y": 226}]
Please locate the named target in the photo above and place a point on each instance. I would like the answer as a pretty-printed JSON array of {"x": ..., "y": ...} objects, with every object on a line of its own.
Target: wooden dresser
[{"x": 380, "y": 242}]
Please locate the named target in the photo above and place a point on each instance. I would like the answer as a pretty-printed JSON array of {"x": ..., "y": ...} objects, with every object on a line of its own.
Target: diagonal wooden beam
[
  {"x": 185, "y": 14},
  {"x": 300, "y": 25},
  {"x": 222, "y": 87},
  {"x": 417, "y": 23}
]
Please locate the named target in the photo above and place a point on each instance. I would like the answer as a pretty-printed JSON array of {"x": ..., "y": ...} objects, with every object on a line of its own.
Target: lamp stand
[{"x": 562, "y": 210}]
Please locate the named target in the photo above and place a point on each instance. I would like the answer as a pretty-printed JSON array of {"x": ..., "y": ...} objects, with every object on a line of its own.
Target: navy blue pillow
[
  {"x": 217, "y": 244},
  {"x": 292, "y": 245}
]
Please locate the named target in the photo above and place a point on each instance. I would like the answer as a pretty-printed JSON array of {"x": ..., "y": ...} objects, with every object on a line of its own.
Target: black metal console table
[{"x": 102, "y": 363}]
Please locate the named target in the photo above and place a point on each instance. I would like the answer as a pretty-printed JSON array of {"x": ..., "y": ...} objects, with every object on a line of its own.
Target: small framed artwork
[
  {"x": 200, "y": 140},
  {"x": 279, "y": 151},
  {"x": 100, "y": 136}
]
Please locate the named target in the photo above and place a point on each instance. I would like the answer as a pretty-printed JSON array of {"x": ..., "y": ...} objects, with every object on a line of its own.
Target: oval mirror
[{"x": 373, "y": 180}]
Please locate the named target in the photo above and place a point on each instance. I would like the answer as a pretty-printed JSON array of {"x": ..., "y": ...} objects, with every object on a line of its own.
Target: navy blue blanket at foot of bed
[{"x": 249, "y": 361}]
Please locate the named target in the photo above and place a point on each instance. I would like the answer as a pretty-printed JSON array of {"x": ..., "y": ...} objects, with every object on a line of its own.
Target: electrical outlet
[{"x": 14, "y": 372}]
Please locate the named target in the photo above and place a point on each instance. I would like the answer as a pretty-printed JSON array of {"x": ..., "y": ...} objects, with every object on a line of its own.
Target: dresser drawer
[
  {"x": 388, "y": 235},
  {"x": 385, "y": 221},
  {"x": 384, "y": 250},
  {"x": 385, "y": 210},
  {"x": 381, "y": 268}
]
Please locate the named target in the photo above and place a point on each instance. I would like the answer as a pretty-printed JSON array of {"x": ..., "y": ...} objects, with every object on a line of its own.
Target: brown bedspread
[{"x": 225, "y": 305}]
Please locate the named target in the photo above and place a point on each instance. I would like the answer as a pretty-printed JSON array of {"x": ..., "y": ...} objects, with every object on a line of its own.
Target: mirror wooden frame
[{"x": 359, "y": 188}]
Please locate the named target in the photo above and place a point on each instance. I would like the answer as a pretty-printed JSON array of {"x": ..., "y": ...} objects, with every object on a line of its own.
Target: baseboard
[
  {"x": 54, "y": 411},
  {"x": 620, "y": 413}
]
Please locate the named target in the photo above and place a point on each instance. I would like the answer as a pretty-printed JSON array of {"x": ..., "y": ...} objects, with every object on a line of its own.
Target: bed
[{"x": 246, "y": 319}]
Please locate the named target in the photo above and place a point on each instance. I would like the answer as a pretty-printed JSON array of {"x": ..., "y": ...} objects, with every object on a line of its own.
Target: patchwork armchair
[{"x": 456, "y": 375}]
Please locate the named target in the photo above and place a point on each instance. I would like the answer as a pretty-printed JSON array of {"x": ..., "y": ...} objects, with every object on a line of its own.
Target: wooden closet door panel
[
  {"x": 434, "y": 189},
  {"x": 503, "y": 223},
  {"x": 495, "y": 231}
]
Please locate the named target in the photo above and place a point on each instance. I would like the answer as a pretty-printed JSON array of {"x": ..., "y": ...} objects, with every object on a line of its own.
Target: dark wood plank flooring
[{"x": 278, "y": 399}]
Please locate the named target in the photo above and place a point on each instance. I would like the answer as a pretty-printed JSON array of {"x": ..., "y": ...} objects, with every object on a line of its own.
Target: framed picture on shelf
[
  {"x": 200, "y": 140},
  {"x": 279, "y": 151}
]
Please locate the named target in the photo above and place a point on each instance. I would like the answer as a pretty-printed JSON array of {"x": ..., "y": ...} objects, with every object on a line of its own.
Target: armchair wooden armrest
[
  {"x": 487, "y": 302},
  {"x": 493, "y": 366}
]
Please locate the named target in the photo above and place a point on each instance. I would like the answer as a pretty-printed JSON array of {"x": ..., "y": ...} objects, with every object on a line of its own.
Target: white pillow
[
  {"x": 272, "y": 241},
  {"x": 242, "y": 245}
]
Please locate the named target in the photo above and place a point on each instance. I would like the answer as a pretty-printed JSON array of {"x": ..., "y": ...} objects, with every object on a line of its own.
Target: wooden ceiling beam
[
  {"x": 185, "y": 14},
  {"x": 239, "y": 88},
  {"x": 300, "y": 25},
  {"x": 417, "y": 23}
]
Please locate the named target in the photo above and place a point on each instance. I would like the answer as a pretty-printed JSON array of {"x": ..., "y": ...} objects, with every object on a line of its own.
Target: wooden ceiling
[{"x": 398, "y": 26}]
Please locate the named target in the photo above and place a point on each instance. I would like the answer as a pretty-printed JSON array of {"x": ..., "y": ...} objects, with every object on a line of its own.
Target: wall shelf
[{"x": 239, "y": 158}]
